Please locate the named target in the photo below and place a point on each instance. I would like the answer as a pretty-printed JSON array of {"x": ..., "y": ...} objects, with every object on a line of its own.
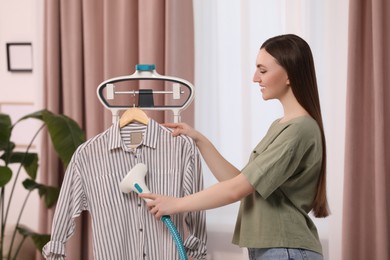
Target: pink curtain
[
  {"x": 89, "y": 41},
  {"x": 366, "y": 226}
]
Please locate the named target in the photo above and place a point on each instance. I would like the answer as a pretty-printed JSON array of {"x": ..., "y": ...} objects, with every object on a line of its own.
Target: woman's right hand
[{"x": 183, "y": 129}]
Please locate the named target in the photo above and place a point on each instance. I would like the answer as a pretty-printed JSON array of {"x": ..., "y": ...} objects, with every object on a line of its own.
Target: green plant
[{"x": 66, "y": 136}]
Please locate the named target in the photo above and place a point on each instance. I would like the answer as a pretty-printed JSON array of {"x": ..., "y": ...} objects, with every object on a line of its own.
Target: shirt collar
[{"x": 150, "y": 137}]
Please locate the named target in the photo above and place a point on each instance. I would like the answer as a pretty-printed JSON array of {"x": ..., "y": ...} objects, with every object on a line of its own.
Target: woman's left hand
[{"x": 161, "y": 205}]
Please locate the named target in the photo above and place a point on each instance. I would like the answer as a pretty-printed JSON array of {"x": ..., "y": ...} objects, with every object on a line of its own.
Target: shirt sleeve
[
  {"x": 71, "y": 203},
  {"x": 269, "y": 169},
  {"x": 195, "y": 243}
]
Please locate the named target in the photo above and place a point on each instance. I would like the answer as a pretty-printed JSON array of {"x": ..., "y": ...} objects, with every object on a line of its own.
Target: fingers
[
  {"x": 151, "y": 196},
  {"x": 181, "y": 129},
  {"x": 175, "y": 125},
  {"x": 156, "y": 212},
  {"x": 153, "y": 210},
  {"x": 172, "y": 125},
  {"x": 152, "y": 204},
  {"x": 178, "y": 128},
  {"x": 177, "y": 132}
]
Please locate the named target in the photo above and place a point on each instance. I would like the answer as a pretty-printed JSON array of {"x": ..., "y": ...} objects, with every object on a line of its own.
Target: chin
[{"x": 265, "y": 97}]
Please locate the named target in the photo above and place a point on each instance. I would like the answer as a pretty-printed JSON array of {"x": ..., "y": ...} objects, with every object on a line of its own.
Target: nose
[{"x": 256, "y": 76}]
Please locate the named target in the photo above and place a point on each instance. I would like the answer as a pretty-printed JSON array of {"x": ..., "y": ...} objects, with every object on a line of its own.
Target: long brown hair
[{"x": 294, "y": 55}]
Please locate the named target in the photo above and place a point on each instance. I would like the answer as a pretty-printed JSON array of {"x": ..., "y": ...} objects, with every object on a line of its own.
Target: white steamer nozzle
[{"x": 135, "y": 180}]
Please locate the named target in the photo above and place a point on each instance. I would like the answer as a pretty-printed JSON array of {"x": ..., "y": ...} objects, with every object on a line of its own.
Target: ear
[{"x": 288, "y": 82}]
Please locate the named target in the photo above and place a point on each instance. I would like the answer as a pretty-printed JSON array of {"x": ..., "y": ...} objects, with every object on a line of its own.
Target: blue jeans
[{"x": 282, "y": 254}]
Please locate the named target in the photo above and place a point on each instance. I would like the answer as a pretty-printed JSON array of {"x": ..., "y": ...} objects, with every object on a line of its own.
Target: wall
[{"x": 21, "y": 92}]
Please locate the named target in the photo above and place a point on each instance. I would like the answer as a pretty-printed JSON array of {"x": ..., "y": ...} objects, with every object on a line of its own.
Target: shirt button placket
[
  {"x": 141, "y": 207},
  {"x": 141, "y": 225},
  {"x": 136, "y": 155}
]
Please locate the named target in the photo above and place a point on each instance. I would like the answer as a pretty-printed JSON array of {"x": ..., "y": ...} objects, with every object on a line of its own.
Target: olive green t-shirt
[{"x": 283, "y": 169}]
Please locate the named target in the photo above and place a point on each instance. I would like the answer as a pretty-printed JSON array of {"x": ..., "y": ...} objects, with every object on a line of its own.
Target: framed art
[{"x": 19, "y": 57}]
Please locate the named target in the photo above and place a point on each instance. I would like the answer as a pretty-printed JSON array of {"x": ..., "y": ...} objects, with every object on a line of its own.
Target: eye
[{"x": 263, "y": 71}]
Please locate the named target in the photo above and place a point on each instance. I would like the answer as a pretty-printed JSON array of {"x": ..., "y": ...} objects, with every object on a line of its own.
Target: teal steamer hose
[
  {"x": 176, "y": 236},
  {"x": 135, "y": 181}
]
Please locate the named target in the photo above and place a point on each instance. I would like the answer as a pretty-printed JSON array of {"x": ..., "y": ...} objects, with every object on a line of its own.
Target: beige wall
[{"x": 20, "y": 92}]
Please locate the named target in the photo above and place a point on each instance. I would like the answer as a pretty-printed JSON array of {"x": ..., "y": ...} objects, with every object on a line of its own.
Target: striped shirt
[{"x": 122, "y": 226}]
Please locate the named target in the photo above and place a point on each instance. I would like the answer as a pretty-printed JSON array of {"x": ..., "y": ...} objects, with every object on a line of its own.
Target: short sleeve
[{"x": 269, "y": 169}]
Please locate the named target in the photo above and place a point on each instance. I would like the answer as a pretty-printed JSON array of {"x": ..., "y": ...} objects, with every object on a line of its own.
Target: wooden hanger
[{"x": 133, "y": 114}]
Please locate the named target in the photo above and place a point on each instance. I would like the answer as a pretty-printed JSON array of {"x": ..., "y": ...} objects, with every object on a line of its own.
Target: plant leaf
[
  {"x": 36, "y": 115},
  {"x": 5, "y": 131},
  {"x": 49, "y": 193},
  {"x": 39, "y": 239},
  {"x": 30, "y": 184},
  {"x": 28, "y": 160},
  {"x": 5, "y": 175},
  {"x": 7, "y": 151},
  {"x": 65, "y": 134}
]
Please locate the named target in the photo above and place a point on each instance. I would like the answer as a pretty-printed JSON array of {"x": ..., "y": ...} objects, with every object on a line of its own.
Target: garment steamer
[{"x": 135, "y": 181}]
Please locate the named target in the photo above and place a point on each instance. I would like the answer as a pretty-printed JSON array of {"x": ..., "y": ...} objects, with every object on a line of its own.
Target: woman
[{"x": 285, "y": 177}]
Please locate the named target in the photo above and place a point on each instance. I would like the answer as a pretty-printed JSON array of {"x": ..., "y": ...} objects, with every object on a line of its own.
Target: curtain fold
[
  {"x": 366, "y": 229},
  {"x": 89, "y": 41}
]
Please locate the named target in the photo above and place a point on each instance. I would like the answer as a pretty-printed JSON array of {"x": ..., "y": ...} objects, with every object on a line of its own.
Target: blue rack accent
[{"x": 145, "y": 67}]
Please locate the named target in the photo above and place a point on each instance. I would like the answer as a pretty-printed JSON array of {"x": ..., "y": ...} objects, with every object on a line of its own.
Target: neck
[{"x": 291, "y": 107}]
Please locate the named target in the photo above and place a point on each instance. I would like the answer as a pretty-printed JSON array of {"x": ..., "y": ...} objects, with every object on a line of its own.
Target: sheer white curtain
[{"x": 229, "y": 107}]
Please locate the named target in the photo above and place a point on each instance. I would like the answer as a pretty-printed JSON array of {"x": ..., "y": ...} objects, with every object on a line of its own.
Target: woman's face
[{"x": 272, "y": 77}]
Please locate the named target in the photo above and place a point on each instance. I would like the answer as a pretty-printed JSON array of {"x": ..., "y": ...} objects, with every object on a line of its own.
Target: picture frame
[{"x": 19, "y": 57}]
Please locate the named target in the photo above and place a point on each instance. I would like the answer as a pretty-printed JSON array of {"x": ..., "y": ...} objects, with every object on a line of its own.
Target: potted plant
[{"x": 66, "y": 136}]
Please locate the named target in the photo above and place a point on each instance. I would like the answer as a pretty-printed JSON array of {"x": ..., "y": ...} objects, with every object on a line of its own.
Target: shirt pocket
[{"x": 166, "y": 182}]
